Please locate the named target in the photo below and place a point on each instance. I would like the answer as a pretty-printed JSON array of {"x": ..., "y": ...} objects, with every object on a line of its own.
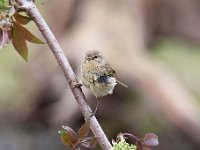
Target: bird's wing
[{"x": 109, "y": 70}]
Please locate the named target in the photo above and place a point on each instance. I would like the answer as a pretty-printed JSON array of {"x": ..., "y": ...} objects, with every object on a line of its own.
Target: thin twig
[{"x": 33, "y": 12}]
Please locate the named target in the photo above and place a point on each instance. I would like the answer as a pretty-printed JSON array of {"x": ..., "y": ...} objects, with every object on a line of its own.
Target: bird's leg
[
  {"x": 98, "y": 100},
  {"x": 76, "y": 85},
  {"x": 94, "y": 112}
]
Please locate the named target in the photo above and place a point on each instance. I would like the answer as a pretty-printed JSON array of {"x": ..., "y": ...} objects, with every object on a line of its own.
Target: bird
[{"x": 98, "y": 75}]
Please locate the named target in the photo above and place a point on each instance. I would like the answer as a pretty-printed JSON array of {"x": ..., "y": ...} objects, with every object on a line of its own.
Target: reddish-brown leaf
[
  {"x": 27, "y": 34},
  {"x": 65, "y": 138},
  {"x": 150, "y": 140},
  {"x": 89, "y": 142},
  {"x": 71, "y": 136},
  {"x": 21, "y": 19},
  {"x": 19, "y": 43},
  {"x": 84, "y": 130}
]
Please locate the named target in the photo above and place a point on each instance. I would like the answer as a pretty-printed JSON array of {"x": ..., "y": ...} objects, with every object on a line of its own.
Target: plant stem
[{"x": 33, "y": 12}]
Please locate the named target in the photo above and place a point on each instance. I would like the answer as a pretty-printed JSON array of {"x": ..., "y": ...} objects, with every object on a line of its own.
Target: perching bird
[{"x": 98, "y": 75}]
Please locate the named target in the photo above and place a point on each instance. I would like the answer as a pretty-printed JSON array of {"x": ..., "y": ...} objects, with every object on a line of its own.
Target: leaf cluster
[
  {"x": 77, "y": 141},
  {"x": 146, "y": 143},
  {"x": 121, "y": 144},
  {"x": 12, "y": 29},
  {"x": 2, "y": 2}
]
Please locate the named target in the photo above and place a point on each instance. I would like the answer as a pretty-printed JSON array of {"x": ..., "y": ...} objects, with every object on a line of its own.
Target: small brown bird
[{"x": 98, "y": 75}]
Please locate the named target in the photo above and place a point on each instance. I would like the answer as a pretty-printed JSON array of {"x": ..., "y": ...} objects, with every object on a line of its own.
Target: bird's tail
[{"x": 122, "y": 84}]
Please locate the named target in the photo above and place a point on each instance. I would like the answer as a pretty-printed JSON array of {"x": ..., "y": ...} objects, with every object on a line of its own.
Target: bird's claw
[
  {"x": 93, "y": 113},
  {"x": 76, "y": 85}
]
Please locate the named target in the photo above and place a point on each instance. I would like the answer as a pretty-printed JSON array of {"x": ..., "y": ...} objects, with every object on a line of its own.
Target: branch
[{"x": 33, "y": 12}]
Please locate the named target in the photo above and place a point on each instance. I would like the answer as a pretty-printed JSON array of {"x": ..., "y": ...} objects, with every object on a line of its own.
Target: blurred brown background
[{"x": 154, "y": 46}]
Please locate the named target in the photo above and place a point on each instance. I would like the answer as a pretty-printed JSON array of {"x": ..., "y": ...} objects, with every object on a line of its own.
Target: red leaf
[
  {"x": 21, "y": 19},
  {"x": 150, "y": 140},
  {"x": 19, "y": 43},
  {"x": 27, "y": 34},
  {"x": 84, "y": 130}
]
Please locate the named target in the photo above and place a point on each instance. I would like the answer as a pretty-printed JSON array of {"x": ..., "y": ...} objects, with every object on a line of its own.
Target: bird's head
[{"x": 94, "y": 55}]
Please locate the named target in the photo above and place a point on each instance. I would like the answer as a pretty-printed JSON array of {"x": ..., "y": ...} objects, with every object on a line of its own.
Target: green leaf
[
  {"x": 27, "y": 34},
  {"x": 19, "y": 43},
  {"x": 65, "y": 138},
  {"x": 2, "y": 2},
  {"x": 68, "y": 137},
  {"x": 21, "y": 19},
  {"x": 84, "y": 130},
  {"x": 121, "y": 144}
]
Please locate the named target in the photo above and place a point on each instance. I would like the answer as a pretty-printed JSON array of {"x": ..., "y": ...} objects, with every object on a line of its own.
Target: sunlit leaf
[
  {"x": 150, "y": 140},
  {"x": 70, "y": 136},
  {"x": 65, "y": 138},
  {"x": 2, "y": 2},
  {"x": 84, "y": 130},
  {"x": 22, "y": 19},
  {"x": 19, "y": 43},
  {"x": 27, "y": 34},
  {"x": 89, "y": 142}
]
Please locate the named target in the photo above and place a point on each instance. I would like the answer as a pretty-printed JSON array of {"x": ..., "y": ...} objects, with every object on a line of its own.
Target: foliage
[
  {"x": 150, "y": 140},
  {"x": 77, "y": 141},
  {"x": 12, "y": 29},
  {"x": 121, "y": 144},
  {"x": 70, "y": 138},
  {"x": 2, "y": 2}
]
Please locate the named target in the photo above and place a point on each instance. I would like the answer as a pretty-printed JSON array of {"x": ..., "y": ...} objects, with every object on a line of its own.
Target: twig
[{"x": 33, "y": 12}]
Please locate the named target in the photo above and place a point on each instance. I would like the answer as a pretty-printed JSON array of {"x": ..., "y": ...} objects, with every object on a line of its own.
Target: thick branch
[{"x": 67, "y": 70}]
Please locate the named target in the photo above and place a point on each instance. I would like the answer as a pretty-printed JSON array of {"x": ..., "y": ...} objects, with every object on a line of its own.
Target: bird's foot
[
  {"x": 93, "y": 113},
  {"x": 76, "y": 85}
]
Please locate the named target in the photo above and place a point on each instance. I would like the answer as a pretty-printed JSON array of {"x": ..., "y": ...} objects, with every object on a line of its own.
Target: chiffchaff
[{"x": 98, "y": 75}]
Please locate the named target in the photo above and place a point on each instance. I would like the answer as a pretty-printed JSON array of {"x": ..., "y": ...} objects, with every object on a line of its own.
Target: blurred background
[{"x": 154, "y": 46}]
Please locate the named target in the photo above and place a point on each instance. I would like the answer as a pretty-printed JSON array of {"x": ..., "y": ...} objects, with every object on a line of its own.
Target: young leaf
[
  {"x": 150, "y": 140},
  {"x": 2, "y": 2},
  {"x": 89, "y": 142},
  {"x": 71, "y": 136},
  {"x": 84, "y": 130},
  {"x": 65, "y": 138},
  {"x": 27, "y": 34},
  {"x": 19, "y": 43},
  {"x": 21, "y": 19}
]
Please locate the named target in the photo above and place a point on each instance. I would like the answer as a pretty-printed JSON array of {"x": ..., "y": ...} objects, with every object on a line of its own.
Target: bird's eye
[{"x": 95, "y": 57}]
